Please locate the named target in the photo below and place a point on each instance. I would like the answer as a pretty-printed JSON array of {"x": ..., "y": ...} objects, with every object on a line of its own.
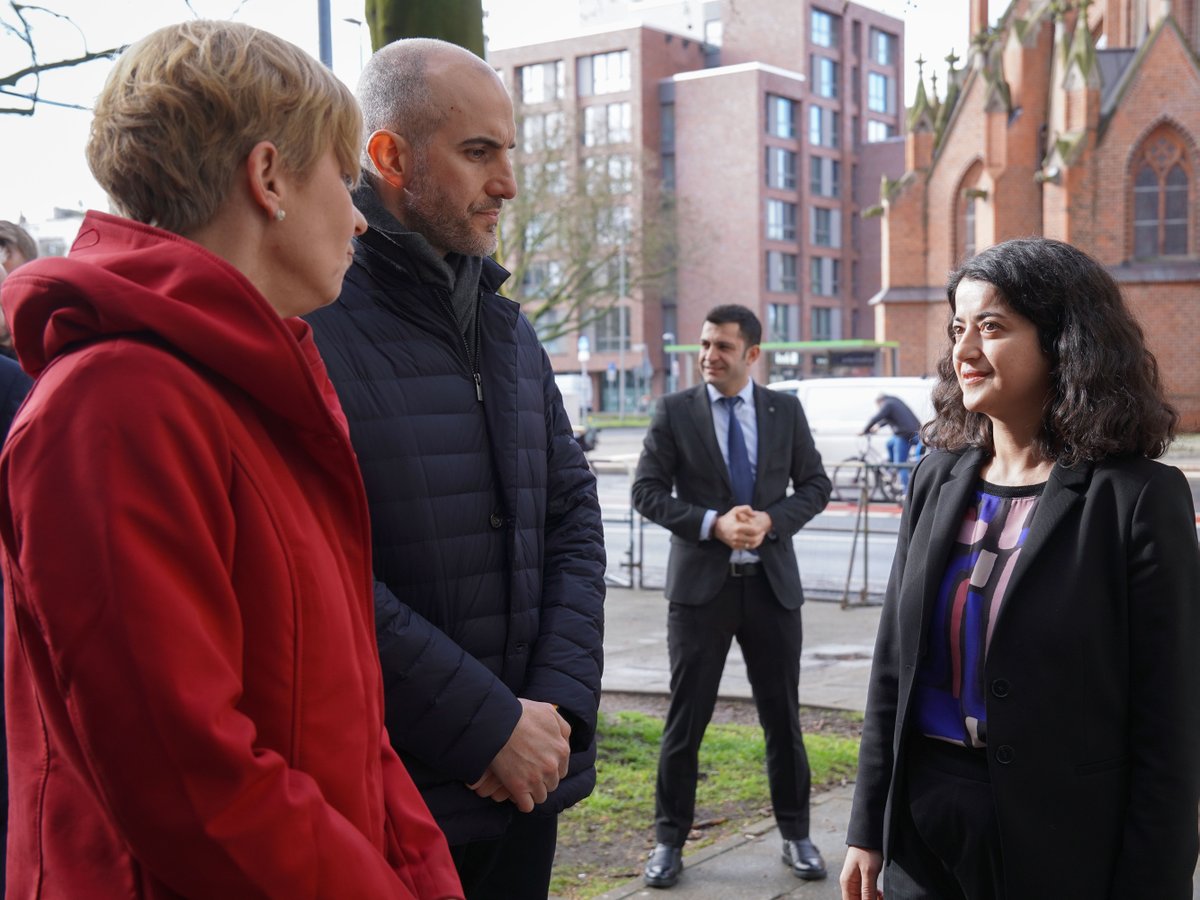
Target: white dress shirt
[{"x": 749, "y": 421}]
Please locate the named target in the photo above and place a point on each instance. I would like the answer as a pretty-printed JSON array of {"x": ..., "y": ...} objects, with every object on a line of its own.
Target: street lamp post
[
  {"x": 621, "y": 331},
  {"x": 359, "y": 24},
  {"x": 668, "y": 338},
  {"x": 325, "y": 33},
  {"x": 583, "y": 354}
]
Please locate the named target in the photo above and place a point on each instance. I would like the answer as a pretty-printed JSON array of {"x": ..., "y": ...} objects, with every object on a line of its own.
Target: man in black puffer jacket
[{"x": 489, "y": 556}]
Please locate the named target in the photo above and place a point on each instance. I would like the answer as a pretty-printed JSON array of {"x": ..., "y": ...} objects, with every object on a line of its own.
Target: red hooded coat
[{"x": 194, "y": 702}]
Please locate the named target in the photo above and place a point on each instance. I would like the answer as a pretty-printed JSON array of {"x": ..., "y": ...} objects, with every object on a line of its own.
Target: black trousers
[
  {"x": 698, "y": 639},
  {"x": 946, "y": 839},
  {"x": 513, "y": 867}
]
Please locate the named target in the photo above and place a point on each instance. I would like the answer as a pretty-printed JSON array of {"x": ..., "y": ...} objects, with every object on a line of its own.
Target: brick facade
[{"x": 1046, "y": 135}]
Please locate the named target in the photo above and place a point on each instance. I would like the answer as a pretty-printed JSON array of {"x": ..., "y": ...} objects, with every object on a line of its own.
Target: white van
[{"x": 838, "y": 408}]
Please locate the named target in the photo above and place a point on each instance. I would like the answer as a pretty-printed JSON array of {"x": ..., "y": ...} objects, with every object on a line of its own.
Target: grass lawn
[{"x": 604, "y": 840}]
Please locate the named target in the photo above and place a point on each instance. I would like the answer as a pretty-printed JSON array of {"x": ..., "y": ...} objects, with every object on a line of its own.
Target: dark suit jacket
[
  {"x": 1093, "y": 689},
  {"x": 681, "y": 451}
]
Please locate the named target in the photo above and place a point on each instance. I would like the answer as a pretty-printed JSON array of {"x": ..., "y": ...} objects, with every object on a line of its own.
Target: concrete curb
[{"x": 748, "y": 865}]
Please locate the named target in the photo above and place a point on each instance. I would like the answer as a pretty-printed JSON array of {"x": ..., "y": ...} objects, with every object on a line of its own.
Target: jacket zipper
[{"x": 472, "y": 364}]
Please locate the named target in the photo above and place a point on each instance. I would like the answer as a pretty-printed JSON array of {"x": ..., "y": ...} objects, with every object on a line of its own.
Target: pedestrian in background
[
  {"x": 1033, "y": 720},
  {"x": 17, "y": 246},
  {"x": 193, "y": 693},
  {"x": 715, "y": 471},
  {"x": 905, "y": 430},
  {"x": 489, "y": 554}
]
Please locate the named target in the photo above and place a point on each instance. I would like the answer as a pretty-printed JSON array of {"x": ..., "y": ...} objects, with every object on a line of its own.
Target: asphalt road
[{"x": 840, "y": 556}]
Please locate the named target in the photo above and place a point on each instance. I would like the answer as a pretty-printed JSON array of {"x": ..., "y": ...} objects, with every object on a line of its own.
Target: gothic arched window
[
  {"x": 1161, "y": 184},
  {"x": 966, "y": 208}
]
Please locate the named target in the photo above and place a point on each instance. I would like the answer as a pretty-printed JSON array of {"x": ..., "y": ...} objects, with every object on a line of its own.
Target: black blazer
[
  {"x": 681, "y": 452},
  {"x": 1093, "y": 689}
]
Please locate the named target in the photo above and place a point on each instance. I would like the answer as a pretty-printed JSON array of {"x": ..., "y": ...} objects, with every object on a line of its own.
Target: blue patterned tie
[{"x": 741, "y": 475}]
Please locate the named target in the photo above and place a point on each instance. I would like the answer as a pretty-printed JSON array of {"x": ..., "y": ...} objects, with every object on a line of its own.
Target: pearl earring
[{"x": 280, "y": 215}]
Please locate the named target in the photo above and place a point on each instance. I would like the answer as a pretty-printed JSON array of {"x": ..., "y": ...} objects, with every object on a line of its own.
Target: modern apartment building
[{"x": 731, "y": 173}]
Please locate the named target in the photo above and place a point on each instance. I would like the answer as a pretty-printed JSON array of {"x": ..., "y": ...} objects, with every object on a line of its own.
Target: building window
[
  {"x": 779, "y": 322},
  {"x": 610, "y": 123},
  {"x": 823, "y": 319},
  {"x": 824, "y": 76},
  {"x": 1160, "y": 198},
  {"x": 612, "y": 330},
  {"x": 781, "y": 116},
  {"x": 825, "y": 28},
  {"x": 823, "y": 127},
  {"x": 542, "y": 131},
  {"x": 966, "y": 212},
  {"x": 548, "y": 323},
  {"x": 781, "y": 168},
  {"x": 539, "y": 235},
  {"x": 969, "y": 229},
  {"x": 879, "y": 93},
  {"x": 825, "y": 276},
  {"x": 542, "y": 278},
  {"x": 667, "y": 172},
  {"x": 883, "y": 47},
  {"x": 781, "y": 272},
  {"x": 611, "y": 174},
  {"x": 548, "y": 177},
  {"x": 713, "y": 32},
  {"x": 781, "y": 220},
  {"x": 542, "y": 82},
  {"x": 613, "y": 225},
  {"x": 825, "y": 176},
  {"x": 603, "y": 73},
  {"x": 879, "y": 131},
  {"x": 825, "y": 226},
  {"x": 666, "y": 121}
]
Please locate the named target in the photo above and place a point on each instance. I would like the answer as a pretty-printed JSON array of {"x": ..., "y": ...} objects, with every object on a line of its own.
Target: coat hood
[{"x": 126, "y": 279}]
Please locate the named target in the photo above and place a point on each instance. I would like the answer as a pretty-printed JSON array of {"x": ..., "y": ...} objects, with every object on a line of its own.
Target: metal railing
[
  {"x": 630, "y": 571},
  {"x": 867, "y": 487}
]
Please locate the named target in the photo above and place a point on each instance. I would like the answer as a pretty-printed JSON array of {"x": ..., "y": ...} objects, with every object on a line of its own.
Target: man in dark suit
[{"x": 729, "y": 448}]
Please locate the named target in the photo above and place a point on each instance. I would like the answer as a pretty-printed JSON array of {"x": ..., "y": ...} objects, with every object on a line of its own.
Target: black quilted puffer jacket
[{"x": 489, "y": 555}]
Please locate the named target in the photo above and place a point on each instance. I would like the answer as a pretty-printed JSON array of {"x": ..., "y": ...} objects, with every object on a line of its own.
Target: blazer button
[
  {"x": 495, "y": 520},
  {"x": 1004, "y": 754},
  {"x": 1000, "y": 688}
]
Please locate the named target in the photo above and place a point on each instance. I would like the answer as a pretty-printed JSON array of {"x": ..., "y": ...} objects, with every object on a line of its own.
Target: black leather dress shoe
[
  {"x": 664, "y": 866},
  {"x": 805, "y": 859}
]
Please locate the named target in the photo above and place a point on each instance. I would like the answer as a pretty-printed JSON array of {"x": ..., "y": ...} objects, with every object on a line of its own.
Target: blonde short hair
[{"x": 184, "y": 106}]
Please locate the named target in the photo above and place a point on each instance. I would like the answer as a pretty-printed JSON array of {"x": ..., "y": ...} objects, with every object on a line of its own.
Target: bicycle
[{"x": 867, "y": 469}]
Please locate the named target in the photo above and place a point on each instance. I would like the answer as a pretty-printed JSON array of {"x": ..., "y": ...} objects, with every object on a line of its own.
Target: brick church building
[{"x": 1072, "y": 119}]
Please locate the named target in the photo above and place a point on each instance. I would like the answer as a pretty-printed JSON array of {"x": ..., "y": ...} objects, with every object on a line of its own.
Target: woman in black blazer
[{"x": 1033, "y": 720}]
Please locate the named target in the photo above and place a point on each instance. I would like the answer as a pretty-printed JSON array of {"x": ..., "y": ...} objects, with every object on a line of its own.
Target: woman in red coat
[{"x": 193, "y": 692}]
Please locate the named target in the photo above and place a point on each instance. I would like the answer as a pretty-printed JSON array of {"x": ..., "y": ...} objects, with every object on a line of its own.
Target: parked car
[{"x": 838, "y": 408}]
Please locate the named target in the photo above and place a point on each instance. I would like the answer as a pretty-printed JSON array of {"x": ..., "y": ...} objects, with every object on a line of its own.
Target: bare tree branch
[
  {"x": 23, "y": 31},
  {"x": 573, "y": 228},
  {"x": 38, "y": 68}
]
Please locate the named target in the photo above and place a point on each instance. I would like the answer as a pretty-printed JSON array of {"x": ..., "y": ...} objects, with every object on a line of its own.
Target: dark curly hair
[{"x": 1106, "y": 399}]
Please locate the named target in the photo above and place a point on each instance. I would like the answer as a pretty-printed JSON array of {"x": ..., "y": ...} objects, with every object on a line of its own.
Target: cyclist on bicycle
[{"x": 905, "y": 426}]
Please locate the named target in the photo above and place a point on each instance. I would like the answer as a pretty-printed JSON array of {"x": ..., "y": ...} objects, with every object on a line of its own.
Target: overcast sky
[{"x": 41, "y": 156}]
